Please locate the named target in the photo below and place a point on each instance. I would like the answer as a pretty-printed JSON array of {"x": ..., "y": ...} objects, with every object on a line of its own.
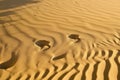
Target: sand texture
[{"x": 59, "y": 40}]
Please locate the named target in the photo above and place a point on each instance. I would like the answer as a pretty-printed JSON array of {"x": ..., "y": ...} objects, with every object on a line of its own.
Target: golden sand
[{"x": 59, "y": 40}]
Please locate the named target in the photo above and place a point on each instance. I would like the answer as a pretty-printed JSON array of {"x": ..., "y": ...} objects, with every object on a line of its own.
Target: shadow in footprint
[
  {"x": 11, "y": 62},
  {"x": 75, "y": 37},
  {"x": 43, "y": 43}
]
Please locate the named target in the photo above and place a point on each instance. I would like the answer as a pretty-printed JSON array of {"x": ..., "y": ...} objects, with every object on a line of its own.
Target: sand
[{"x": 59, "y": 40}]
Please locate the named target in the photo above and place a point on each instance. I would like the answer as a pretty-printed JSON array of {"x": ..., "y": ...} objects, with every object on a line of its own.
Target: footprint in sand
[
  {"x": 42, "y": 44},
  {"x": 75, "y": 37}
]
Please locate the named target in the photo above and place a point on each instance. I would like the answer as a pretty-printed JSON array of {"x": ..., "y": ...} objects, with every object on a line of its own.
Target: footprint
[
  {"x": 11, "y": 62},
  {"x": 75, "y": 37},
  {"x": 42, "y": 44}
]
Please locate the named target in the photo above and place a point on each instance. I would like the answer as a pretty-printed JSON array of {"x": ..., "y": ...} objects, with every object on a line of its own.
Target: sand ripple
[{"x": 59, "y": 40}]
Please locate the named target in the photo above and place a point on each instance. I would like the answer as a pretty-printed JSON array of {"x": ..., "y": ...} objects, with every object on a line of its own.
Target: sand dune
[{"x": 59, "y": 40}]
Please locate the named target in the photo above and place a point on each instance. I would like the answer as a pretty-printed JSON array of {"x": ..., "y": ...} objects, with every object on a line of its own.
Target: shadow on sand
[{"x": 8, "y": 4}]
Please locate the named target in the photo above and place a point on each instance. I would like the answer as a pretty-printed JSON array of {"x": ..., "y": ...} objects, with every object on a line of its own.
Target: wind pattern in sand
[{"x": 59, "y": 40}]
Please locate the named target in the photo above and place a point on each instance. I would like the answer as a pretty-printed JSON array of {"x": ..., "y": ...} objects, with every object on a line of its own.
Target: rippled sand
[{"x": 59, "y": 40}]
